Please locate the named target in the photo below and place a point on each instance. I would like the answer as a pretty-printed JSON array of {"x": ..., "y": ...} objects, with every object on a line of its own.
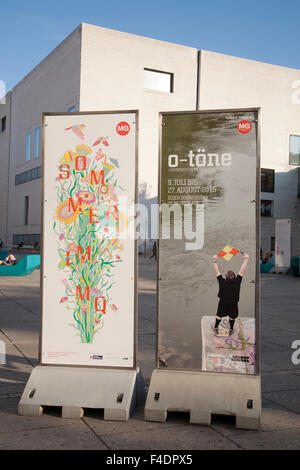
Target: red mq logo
[
  {"x": 123, "y": 128},
  {"x": 244, "y": 127}
]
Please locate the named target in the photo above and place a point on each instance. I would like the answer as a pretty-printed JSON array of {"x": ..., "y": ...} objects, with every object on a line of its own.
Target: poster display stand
[
  {"x": 73, "y": 389},
  {"x": 88, "y": 332},
  {"x": 203, "y": 394},
  {"x": 207, "y": 358}
]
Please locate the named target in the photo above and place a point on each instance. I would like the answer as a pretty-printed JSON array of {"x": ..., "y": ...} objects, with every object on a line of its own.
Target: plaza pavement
[{"x": 280, "y": 326}]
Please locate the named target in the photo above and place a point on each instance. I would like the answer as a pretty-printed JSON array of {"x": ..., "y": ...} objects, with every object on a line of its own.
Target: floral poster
[{"x": 89, "y": 166}]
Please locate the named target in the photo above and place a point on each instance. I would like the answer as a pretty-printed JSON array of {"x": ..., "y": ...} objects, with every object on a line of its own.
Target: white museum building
[{"x": 98, "y": 69}]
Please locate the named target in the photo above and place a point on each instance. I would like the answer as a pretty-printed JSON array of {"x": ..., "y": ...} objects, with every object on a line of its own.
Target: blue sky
[{"x": 262, "y": 30}]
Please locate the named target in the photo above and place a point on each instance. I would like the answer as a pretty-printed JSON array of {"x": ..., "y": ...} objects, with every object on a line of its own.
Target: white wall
[
  {"x": 101, "y": 69},
  {"x": 53, "y": 86},
  {"x": 231, "y": 82},
  {"x": 112, "y": 78}
]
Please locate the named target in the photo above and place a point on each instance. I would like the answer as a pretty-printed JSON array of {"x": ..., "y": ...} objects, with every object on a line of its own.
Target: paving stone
[
  {"x": 275, "y": 418},
  {"x": 95, "y": 420},
  {"x": 288, "y": 439},
  {"x": 290, "y": 399},
  {"x": 284, "y": 342},
  {"x": 11, "y": 422},
  {"x": 279, "y": 360},
  {"x": 279, "y": 381},
  {"x": 70, "y": 437},
  {"x": 187, "y": 436},
  {"x": 267, "y": 346},
  {"x": 270, "y": 332},
  {"x": 14, "y": 359}
]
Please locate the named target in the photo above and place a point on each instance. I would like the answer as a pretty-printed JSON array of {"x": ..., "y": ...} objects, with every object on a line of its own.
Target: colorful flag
[{"x": 228, "y": 252}]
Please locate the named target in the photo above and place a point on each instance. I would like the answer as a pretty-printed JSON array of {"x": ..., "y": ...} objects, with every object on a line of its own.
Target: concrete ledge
[
  {"x": 278, "y": 270},
  {"x": 116, "y": 391},
  {"x": 204, "y": 394}
]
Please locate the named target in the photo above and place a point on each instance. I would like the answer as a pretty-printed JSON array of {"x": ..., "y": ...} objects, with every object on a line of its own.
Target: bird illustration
[
  {"x": 101, "y": 140},
  {"x": 77, "y": 130},
  {"x": 115, "y": 162}
]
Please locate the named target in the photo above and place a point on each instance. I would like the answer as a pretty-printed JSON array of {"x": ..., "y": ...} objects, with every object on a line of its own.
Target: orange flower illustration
[{"x": 66, "y": 214}]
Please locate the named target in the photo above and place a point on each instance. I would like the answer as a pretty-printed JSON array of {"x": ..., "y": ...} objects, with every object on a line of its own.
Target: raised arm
[
  {"x": 244, "y": 265},
  {"x": 216, "y": 267}
]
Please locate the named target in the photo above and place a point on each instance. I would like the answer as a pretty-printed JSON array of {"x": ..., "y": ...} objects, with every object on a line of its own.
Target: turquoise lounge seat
[
  {"x": 3, "y": 254},
  {"x": 265, "y": 268},
  {"x": 25, "y": 266}
]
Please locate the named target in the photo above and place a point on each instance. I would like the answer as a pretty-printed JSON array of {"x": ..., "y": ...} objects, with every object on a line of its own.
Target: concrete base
[
  {"x": 280, "y": 270},
  {"x": 203, "y": 394},
  {"x": 116, "y": 391}
]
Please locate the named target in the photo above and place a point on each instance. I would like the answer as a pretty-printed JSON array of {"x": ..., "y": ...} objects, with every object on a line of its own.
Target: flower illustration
[
  {"x": 87, "y": 196},
  {"x": 83, "y": 150},
  {"x": 103, "y": 189},
  {"x": 87, "y": 249},
  {"x": 66, "y": 214},
  {"x": 72, "y": 247}
]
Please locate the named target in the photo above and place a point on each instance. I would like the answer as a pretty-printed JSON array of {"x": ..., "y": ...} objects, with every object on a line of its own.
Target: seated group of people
[
  {"x": 265, "y": 259},
  {"x": 10, "y": 260}
]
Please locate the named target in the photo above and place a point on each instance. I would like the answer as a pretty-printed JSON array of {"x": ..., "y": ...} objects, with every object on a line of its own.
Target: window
[
  {"x": 28, "y": 146},
  {"x": 26, "y": 239},
  {"x": 36, "y": 150},
  {"x": 272, "y": 248},
  {"x": 3, "y": 124},
  {"x": 158, "y": 81},
  {"x": 71, "y": 110},
  {"x": 28, "y": 175},
  {"x": 26, "y": 210},
  {"x": 294, "y": 156},
  {"x": 266, "y": 208},
  {"x": 267, "y": 180}
]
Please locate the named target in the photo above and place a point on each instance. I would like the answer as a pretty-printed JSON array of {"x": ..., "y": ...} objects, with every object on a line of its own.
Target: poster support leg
[
  {"x": 116, "y": 391},
  {"x": 203, "y": 394}
]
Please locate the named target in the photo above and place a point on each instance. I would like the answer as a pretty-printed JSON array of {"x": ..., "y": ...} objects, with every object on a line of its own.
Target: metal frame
[
  {"x": 257, "y": 117},
  {"x": 135, "y": 338}
]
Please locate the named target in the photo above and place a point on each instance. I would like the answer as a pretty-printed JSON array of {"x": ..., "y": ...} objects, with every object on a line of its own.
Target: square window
[
  {"x": 3, "y": 124},
  {"x": 267, "y": 180},
  {"x": 294, "y": 154},
  {"x": 36, "y": 151},
  {"x": 28, "y": 146},
  {"x": 272, "y": 247},
  {"x": 158, "y": 81},
  {"x": 266, "y": 208},
  {"x": 26, "y": 210},
  {"x": 27, "y": 176},
  {"x": 22, "y": 178},
  {"x": 34, "y": 173}
]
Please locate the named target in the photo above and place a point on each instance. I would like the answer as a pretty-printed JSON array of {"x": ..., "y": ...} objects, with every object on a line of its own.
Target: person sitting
[
  {"x": 10, "y": 260},
  {"x": 36, "y": 245}
]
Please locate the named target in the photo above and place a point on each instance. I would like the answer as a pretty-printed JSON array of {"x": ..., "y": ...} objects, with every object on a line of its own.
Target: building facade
[{"x": 98, "y": 69}]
